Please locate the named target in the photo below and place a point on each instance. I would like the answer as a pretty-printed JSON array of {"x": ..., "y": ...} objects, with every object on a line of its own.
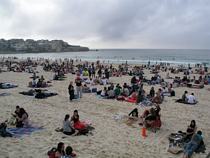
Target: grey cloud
[{"x": 126, "y": 23}]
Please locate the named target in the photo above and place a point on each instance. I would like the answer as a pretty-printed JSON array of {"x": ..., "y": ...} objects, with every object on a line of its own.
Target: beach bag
[
  {"x": 94, "y": 90},
  {"x": 175, "y": 149},
  {"x": 51, "y": 153},
  {"x": 3, "y": 131},
  {"x": 156, "y": 124},
  {"x": 12, "y": 120},
  {"x": 120, "y": 98},
  {"x": 99, "y": 92},
  {"x": 84, "y": 131},
  {"x": 173, "y": 93}
]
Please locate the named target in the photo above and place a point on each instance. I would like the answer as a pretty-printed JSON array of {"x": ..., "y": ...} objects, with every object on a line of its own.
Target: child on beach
[{"x": 71, "y": 91}]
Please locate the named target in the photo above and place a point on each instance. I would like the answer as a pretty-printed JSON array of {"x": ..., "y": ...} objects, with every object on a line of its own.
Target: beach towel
[
  {"x": 86, "y": 90},
  {"x": 7, "y": 85},
  {"x": 167, "y": 94},
  {"x": 182, "y": 102},
  {"x": 191, "y": 103},
  {"x": 19, "y": 132},
  {"x": 45, "y": 95},
  {"x": 197, "y": 86},
  {"x": 100, "y": 97},
  {"x": 4, "y": 94},
  {"x": 87, "y": 122},
  {"x": 119, "y": 117},
  {"x": 145, "y": 103},
  {"x": 29, "y": 93},
  {"x": 130, "y": 100},
  {"x": 94, "y": 90}
]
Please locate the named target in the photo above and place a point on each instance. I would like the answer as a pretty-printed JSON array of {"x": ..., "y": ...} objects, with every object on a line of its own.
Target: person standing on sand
[
  {"x": 71, "y": 91},
  {"x": 78, "y": 82}
]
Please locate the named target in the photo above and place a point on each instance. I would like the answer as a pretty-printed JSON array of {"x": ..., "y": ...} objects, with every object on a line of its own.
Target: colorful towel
[
  {"x": 19, "y": 132},
  {"x": 130, "y": 100}
]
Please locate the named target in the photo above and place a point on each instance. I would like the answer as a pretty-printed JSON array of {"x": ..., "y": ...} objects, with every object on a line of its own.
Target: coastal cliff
[{"x": 39, "y": 46}]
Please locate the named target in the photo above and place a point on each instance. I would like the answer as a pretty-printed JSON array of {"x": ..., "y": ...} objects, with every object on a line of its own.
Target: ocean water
[{"x": 132, "y": 56}]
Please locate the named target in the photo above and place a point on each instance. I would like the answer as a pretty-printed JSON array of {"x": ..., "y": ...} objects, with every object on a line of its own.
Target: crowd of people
[{"x": 99, "y": 74}]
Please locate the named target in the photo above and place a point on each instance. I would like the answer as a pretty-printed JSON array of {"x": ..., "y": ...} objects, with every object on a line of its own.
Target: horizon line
[{"x": 149, "y": 49}]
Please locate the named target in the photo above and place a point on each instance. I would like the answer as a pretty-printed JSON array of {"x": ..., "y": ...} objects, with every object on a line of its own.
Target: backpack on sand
[{"x": 51, "y": 153}]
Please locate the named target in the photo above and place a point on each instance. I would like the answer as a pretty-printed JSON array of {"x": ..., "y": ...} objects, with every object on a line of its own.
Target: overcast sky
[{"x": 110, "y": 23}]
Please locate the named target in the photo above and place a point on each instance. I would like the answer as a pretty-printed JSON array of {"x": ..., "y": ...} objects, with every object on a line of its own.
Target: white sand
[{"x": 110, "y": 138}]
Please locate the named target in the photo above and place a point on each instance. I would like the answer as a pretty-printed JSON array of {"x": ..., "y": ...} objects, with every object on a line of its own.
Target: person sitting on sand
[
  {"x": 104, "y": 81},
  {"x": 39, "y": 83},
  {"x": 22, "y": 118},
  {"x": 71, "y": 91},
  {"x": 86, "y": 89},
  {"x": 33, "y": 83},
  {"x": 125, "y": 90},
  {"x": 85, "y": 73},
  {"x": 191, "y": 99},
  {"x": 110, "y": 93},
  {"x": 134, "y": 113},
  {"x": 42, "y": 79},
  {"x": 96, "y": 81},
  {"x": 183, "y": 99},
  {"x": 34, "y": 76},
  {"x": 151, "y": 115},
  {"x": 152, "y": 92},
  {"x": 12, "y": 120},
  {"x": 90, "y": 81},
  {"x": 117, "y": 90},
  {"x": 191, "y": 147},
  {"x": 157, "y": 99},
  {"x": 168, "y": 76},
  {"x": 191, "y": 130},
  {"x": 111, "y": 86},
  {"x": 76, "y": 122},
  {"x": 17, "y": 111},
  {"x": 60, "y": 150},
  {"x": 140, "y": 97},
  {"x": 133, "y": 80},
  {"x": 67, "y": 128},
  {"x": 104, "y": 92}
]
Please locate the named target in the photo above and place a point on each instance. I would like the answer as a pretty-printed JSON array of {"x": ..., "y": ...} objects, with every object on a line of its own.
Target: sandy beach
[{"x": 110, "y": 138}]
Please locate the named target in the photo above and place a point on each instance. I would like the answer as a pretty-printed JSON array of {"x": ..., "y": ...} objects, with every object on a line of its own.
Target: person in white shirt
[
  {"x": 104, "y": 81},
  {"x": 191, "y": 99},
  {"x": 104, "y": 92}
]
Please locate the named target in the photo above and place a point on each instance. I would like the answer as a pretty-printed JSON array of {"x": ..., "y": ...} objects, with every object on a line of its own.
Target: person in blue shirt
[{"x": 193, "y": 144}]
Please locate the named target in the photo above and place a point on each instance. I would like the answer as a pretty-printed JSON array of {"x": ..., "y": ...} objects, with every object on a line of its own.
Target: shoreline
[{"x": 113, "y": 61}]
